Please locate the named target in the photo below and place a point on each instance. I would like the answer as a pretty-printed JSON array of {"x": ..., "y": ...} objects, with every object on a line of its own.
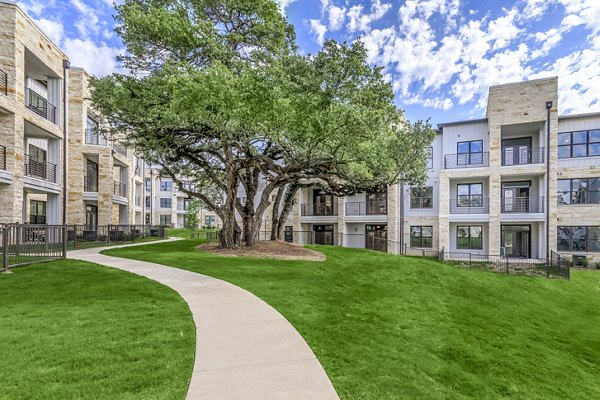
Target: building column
[{"x": 444, "y": 210}]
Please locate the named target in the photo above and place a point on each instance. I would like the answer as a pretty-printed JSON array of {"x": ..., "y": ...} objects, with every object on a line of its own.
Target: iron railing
[
  {"x": 40, "y": 105},
  {"x": 320, "y": 209},
  {"x": 119, "y": 148},
  {"x": 40, "y": 169},
  {"x": 80, "y": 236},
  {"x": 519, "y": 155},
  {"x": 521, "y": 205},
  {"x": 560, "y": 265},
  {"x": 470, "y": 205},
  {"x": 120, "y": 189},
  {"x": 467, "y": 160},
  {"x": 94, "y": 137},
  {"x": 366, "y": 208},
  {"x": 3, "y": 83},
  {"x": 2, "y": 157},
  {"x": 27, "y": 244}
]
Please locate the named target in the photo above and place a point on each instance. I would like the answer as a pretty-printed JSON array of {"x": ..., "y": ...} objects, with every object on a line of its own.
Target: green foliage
[
  {"x": 192, "y": 219},
  {"x": 391, "y": 327}
]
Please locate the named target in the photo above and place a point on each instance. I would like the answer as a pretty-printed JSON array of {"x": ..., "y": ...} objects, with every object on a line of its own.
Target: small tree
[{"x": 191, "y": 215}]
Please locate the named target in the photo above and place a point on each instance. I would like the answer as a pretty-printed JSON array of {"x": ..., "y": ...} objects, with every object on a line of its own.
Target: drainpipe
[
  {"x": 66, "y": 66},
  {"x": 548, "y": 108}
]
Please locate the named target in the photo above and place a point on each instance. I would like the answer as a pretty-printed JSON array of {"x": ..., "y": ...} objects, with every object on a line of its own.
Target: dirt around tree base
[{"x": 267, "y": 249}]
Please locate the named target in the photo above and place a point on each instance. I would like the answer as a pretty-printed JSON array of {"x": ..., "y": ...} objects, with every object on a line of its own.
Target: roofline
[
  {"x": 18, "y": 7},
  {"x": 468, "y": 121},
  {"x": 583, "y": 115},
  {"x": 550, "y": 78}
]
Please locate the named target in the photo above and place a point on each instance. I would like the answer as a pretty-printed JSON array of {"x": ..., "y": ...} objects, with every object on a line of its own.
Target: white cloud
[
  {"x": 587, "y": 10},
  {"x": 97, "y": 58},
  {"x": 318, "y": 29},
  {"x": 88, "y": 22},
  {"x": 53, "y": 29},
  {"x": 359, "y": 21},
  {"x": 337, "y": 17},
  {"x": 283, "y": 4}
]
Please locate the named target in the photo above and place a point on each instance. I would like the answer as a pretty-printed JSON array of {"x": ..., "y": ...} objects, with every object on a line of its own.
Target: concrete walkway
[{"x": 245, "y": 349}]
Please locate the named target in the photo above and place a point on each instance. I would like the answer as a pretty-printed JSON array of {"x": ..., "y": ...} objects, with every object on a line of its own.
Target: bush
[{"x": 597, "y": 265}]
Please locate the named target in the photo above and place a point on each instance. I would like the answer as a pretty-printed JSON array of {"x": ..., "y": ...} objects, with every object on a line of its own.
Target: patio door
[
  {"x": 322, "y": 203},
  {"x": 516, "y": 151},
  {"x": 516, "y": 240},
  {"x": 376, "y": 237},
  {"x": 323, "y": 234},
  {"x": 515, "y": 197}
]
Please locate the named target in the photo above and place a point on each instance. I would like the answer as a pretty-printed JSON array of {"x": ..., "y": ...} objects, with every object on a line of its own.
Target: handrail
[
  {"x": 40, "y": 169},
  {"x": 40, "y": 105}
]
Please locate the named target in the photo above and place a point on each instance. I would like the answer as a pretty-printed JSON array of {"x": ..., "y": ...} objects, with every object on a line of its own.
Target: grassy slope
[
  {"x": 73, "y": 330},
  {"x": 387, "y": 327}
]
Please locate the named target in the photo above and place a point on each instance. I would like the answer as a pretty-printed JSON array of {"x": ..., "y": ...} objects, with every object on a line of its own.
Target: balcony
[
  {"x": 3, "y": 83},
  {"x": 469, "y": 205},
  {"x": 3, "y": 158},
  {"x": 39, "y": 105},
  {"x": 521, "y": 155},
  {"x": 90, "y": 185},
  {"x": 119, "y": 148},
  {"x": 314, "y": 210},
  {"x": 366, "y": 208},
  {"x": 467, "y": 160},
  {"x": 522, "y": 205},
  {"x": 120, "y": 189},
  {"x": 40, "y": 169}
]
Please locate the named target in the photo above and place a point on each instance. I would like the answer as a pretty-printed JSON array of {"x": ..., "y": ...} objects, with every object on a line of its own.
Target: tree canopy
[{"x": 219, "y": 94}]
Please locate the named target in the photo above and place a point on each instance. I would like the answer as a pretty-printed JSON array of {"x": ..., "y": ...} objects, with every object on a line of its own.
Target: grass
[
  {"x": 388, "y": 327},
  {"x": 76, "y": 330},
  {"x": 186, "y": 233}
]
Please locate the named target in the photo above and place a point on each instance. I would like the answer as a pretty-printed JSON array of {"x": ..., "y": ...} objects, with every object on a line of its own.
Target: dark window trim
[
  {"x": 570, "y": 239},
  {"x": 420, "y": 237},
  {"x": 470, "y": 246},
  {"x": 420, "y": 198},
  {"x": 470, "y": 203},
  {"x": 570, "y": 146},
  {"x": 587, "y": 191}
]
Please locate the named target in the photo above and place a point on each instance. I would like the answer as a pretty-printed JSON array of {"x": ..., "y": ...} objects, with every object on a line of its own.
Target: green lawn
[
  {"x": 388, "y": 327},
  {"x": 76, "y": 330},
  {"x": 186, "y": 233}
]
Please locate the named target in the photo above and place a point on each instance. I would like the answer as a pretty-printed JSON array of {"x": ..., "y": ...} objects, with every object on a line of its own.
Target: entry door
[
  {"x": 91, "y": 216},
  {"x": 376, "y": 237},
  {"x": 515, "y": 197},
  {"x": 323, "y": 203},
  {"x": 323, "y": 234},
  {"x": 516, "y": 151},
  {"x": 516, "y": 241}
]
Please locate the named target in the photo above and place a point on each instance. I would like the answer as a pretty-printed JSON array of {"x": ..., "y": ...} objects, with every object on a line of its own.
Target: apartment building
[
  {"x": 104, "y": 185},
  {"x": 104, "y": 178},
  {"x": 486, "y": 191},
  {"x": 165, "y": 204}
]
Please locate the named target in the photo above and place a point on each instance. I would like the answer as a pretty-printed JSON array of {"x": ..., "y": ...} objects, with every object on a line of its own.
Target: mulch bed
[{"x": 267, "y": 249}]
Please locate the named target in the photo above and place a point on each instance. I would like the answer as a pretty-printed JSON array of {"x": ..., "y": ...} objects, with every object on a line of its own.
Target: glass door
[
  {"x": 516, "y": 240},
  {"x": 516, "y": 151},
  {"x": 323, "y": 234},
  {"x": 322, "y": 203},
  {"x": 376, "y": 237}
]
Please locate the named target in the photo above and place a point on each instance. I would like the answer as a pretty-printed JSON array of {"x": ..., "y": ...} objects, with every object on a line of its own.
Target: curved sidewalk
[{"x": 245, "y": 349}]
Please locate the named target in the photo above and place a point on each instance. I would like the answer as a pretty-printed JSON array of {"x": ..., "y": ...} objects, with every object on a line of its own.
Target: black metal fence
[
  {"x": 3, "y": 83},
  {"x": 40, "y": 169},
  {"x": 3, "y": 157},
  {"x": 26, "y": 244},
  {"x": 40, "y": 105},
  {"x": 521, "y": 155},
  {"x": 467, "y": 160}
]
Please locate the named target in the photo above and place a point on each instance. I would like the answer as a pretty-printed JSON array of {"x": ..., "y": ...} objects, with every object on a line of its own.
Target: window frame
[
  {"x": 422, "y": 241},
  {"x": 587, "y": 143},
  {"x": 570, "y": 230},
  {"x": 470, "y": 203},
  {"x": 574, "y": 194},
  {"x": 470, "y": 237},
  {"x": 429, "y": 153},
  {"x": 37, "y": 218},
  {"x": 166, "y": 199},
  {"x": 166, "y": 186},
  {"x": 469, "y": 154},
  {"x": 421, "y": 199}
]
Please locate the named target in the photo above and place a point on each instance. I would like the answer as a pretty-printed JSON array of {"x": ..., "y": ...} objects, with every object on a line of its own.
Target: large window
[
  {"x": 469, "y": 237},
  {"x": 93, "y": 134},
  {"x": 90, "y": 183},
  {"x": 470, "y": 152},
  {"x": 578, "y": 238},
  {"x": 429, "y": 154},
  {"x": 148, "y": 202},
  {"x": 147, "y": 184},
  {"x": 579, "y": 144},
  {"x": 165, "y": 202},
  {"x": 165, "y": 220},
  {"x": 421, "y": 197},
  {"x": 377, "y": 203},
  {"x": 469, "y": 195},
  {"x": 166, "y": 186},
  {"x": 579, "y": 191},
  {"x": 37, "y": 212},
  {"x": 421, "y": 236}
]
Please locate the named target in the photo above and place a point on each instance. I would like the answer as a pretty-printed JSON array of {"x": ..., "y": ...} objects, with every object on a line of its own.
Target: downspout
[
  {"x": 66, "y": 66},
  {"x": 548, "y": 107}
]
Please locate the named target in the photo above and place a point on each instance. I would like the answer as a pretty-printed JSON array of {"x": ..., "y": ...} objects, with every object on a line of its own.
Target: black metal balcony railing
[
  {"x": 90, "y": 185},
  {"x": 320, "y": 209},
  {"x": 120, "y": 189},
  {"x": 119, "y": 148},
  {"x": 366, "y": 208},
  {"x": 3, "y": 83},
  {"x": 515, "y": 155},
  {"x": 92, "y": 136},
  {"x": 2, "y": 157},
  {"x": 470, "y": 205},
  {"x": 467, "y": 160},
  {"x": 522, "y": 205},
  {"x": 40, "y": 169},
  {"x": 40, "y": 105}
]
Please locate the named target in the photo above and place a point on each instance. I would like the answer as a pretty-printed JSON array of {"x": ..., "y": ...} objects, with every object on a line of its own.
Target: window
[
  {"x": 165, "y": 220},
  {"x": 36, "y": 153},
  {"x": 147, "y": 184},
  {"x": 579, "y": 144},
  {"x": 147, "y": 219},
  {"x": 469, "y": 195},
  {"x": 148, "y": 202},
  {"x": 91, "y": 216},
  {"x": 579, "y": 191},
  {"x": 376, "y": 203},
  {"x": 469, "y": 237},
  {"x": 92, "y": 133},
  {"x": 90, "y": 181},
  {"x": 421, "y": 236},
  {"x": 37, "y": 212},
  {"x": 469, "y": 152},
  {"x": 165, "y": 202},
  {"x": 421, "y": 197},
  {"x": 166, "y": 186},
  {"x": 429, "y": 154},
  {"x": 578, "y": 238}
]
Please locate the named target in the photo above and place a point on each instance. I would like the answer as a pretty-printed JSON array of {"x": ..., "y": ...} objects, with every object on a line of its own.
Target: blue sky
[{"x": 440, "y": 55}]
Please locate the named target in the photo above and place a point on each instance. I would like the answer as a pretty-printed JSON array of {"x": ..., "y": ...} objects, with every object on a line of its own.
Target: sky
[{"x": 440, "y": 56}]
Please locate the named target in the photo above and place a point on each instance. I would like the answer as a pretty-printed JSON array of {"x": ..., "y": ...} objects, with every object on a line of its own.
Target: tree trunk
[
  {"x": 288, "y": 204},
  {"x": 230, "y": 235},
  {"x": 275, "y": 214}
]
